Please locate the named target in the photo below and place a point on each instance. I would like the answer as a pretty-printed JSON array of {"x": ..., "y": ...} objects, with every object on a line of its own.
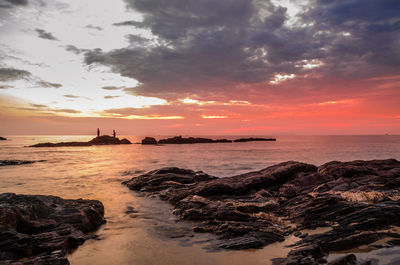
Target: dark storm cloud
[
  {"x": 11, "y": 3},
  {"x": 45, "y": 35},
  {"x": 17, "y": 2},
  {"x": 215, "y": 45},
  {"x": 360, "y": 37},
  {"x": 11, "y": 74}
]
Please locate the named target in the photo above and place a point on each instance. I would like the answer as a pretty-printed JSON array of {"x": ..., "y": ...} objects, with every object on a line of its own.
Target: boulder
[
  {"x": 149, "y": 140},
  {"x": 36, "y": 229}
]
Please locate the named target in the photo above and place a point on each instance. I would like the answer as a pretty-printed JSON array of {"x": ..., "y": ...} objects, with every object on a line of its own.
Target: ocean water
[{"x": 142, "y": 230}]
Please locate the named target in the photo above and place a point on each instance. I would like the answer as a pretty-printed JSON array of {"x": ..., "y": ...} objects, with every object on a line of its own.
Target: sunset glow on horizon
[{"x": 200, "y": 67}]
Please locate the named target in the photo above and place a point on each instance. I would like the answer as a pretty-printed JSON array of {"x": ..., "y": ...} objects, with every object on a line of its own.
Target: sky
[{"x": 200, "y": 67}]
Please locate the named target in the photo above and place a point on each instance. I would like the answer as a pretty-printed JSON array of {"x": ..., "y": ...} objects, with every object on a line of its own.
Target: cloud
[
  {"x": 129, "y": 23},
  {"x": 38, "y": 105},
  {"x": 48, "y": 84},
  {"x": 110, "y": 97},
  {"x": 360, "y": 37},
  {"x": 45, "y": 35},
  {"x": 65, "y": 110},
  {"x": 5, "y": 87},
  {"x": 9, "y": 3},
  {"x": 206, "y": 45},
  {"x": 18, "y": 2},
  {"x": 44, "y": 109},
  {"x": 71, "y": 96},
  {"x": 12, "y": 74},
  {"x": 218, "y": 47},
  {"x": 73, "y": 49},
  {"x": 111, "y": 88},
  {"x": 75, "y": 97},
  {"x": 94, "y": 27}
]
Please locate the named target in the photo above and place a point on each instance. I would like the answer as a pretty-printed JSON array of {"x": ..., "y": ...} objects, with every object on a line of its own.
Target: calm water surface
[{"x": 150, "y": 234}]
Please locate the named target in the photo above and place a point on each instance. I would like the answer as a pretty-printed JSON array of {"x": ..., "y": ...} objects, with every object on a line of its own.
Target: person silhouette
[
  {"x": 98, "y": 132},
  {"x": 114, "y": 133}
]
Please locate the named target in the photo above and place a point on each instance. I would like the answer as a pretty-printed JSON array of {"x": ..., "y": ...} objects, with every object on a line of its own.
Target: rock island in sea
[
  {"x": 358, "y": 201},
  {"x": 99, "y": 140},
  {"x": 198, "y": 140}
]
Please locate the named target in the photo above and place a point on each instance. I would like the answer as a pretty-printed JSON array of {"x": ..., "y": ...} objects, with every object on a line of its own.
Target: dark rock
[
  {"x": 164, "y": 178},
  {"x": 191, "y": 140},
  {"x": 3, "y": 139},
  {"x": 394, "y": 242},
  {"x": 345, "y": 260},
  {"x": 240, "y": 140},
  {"x": 100, "y": 140},
  {"x": 358, "y": 200},
  {"x": 242, "y": 243},
  {"x": 36, "y": 229},
  {"x": 106, "y": 140},
  {"x": 17, "y": 162},
  {"x": 223, "y": 141},
  {"x": 149, "y": 140}
]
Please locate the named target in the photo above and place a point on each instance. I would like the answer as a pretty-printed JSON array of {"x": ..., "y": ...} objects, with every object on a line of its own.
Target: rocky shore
[
  {"x": 100, "y": 140},
  {"x": 198, "y": 140},
  {"x": 38, "y": 230},
  {"x": 357, "y": 202}
]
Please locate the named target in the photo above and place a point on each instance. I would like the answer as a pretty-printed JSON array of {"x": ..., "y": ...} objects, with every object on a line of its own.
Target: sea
[{"x": 141, "y": 230}]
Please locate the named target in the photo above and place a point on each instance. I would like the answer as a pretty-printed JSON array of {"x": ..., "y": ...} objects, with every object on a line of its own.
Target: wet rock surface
[
  {"x": 17, "y": 162},
  {"x": 358, "y": 201},
  {"x": 100, "y": 140},
  {"x": 36, "y": 229}
]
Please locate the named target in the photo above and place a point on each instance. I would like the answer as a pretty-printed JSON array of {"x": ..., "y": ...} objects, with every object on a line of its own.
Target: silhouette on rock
[{"x": 2, "y": 138}]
